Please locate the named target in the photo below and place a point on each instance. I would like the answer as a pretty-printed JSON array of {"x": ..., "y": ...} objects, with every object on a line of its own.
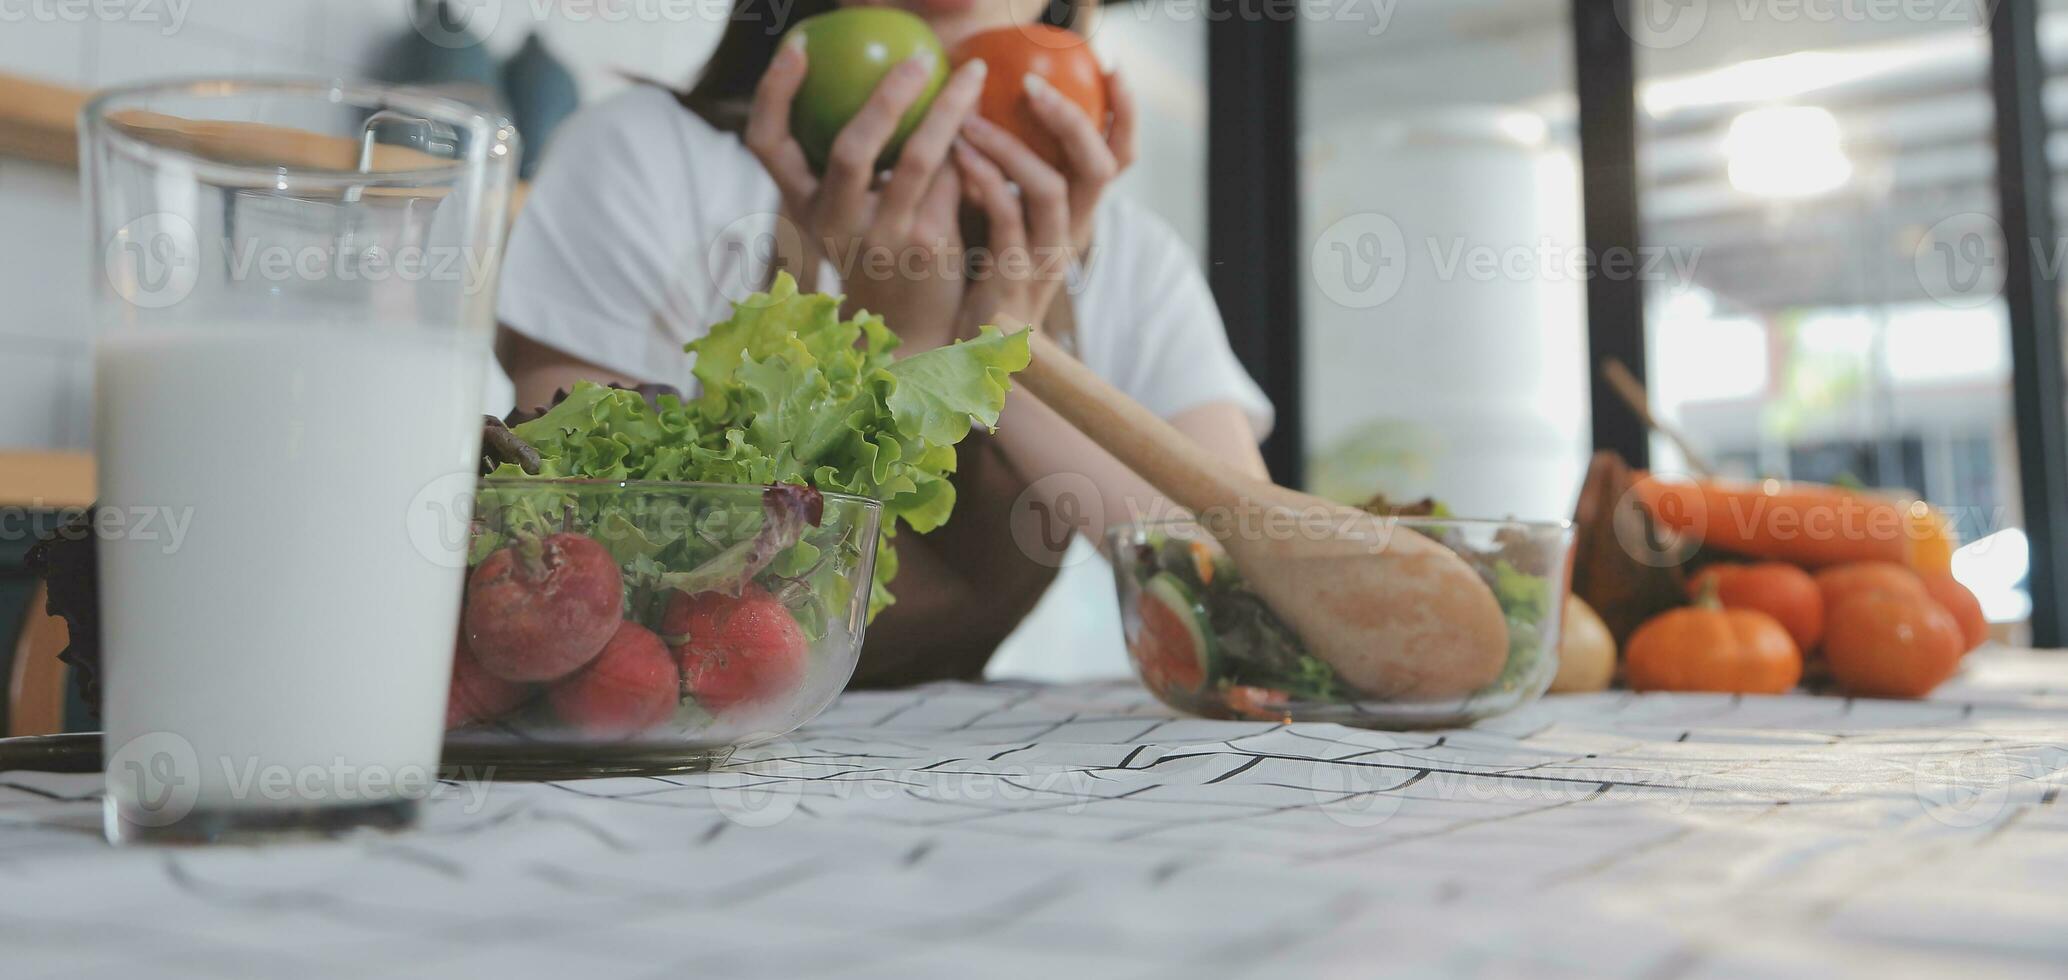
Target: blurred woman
[{"x": 652, "y": 212}]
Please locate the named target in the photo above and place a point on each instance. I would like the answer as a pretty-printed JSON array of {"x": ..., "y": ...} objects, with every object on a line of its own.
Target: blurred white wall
[
  {"x": 1445, "y": 353},
  {"x": 44, "y": 257}
]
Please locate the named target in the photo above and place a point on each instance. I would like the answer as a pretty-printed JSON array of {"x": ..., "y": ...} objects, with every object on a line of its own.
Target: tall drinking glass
[{"x": 295, "y": 286}]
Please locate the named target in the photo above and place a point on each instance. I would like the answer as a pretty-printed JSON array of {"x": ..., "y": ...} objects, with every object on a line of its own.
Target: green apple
[{"x": 847, "y": 52}]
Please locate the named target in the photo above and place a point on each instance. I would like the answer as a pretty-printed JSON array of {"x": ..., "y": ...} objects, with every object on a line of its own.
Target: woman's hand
[
  {"x": 888, "y": 241},
  {"x": 1036, "y": 234}
]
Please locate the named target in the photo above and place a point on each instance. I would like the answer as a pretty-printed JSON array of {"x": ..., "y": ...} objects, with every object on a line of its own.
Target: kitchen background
[
  {"x": 1804, "y": 170},
  {"x": 44, "y": 336},
  {"x": 46, "y": 395}
]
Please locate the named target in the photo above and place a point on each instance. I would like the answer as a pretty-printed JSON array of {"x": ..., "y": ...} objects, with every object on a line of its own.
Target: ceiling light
[{"x": 1786, "y": 152}]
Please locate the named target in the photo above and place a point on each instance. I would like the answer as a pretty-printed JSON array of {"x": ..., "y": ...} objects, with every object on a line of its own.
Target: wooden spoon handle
[{"x": 1168, "y": 459}]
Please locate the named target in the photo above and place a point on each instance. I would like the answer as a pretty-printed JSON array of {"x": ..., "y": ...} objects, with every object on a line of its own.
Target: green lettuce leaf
[
  {"x": 791, "y": 393},
  {"x": 1525, "y": 600}
]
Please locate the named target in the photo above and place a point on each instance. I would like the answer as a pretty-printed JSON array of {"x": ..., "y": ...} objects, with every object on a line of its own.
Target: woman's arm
[
  {"x": 1063, "y": 463},
  {"x": 538, "y": 371},
  {"x": 1033, "y": 209},
  {"x": 963, "y": 588}
]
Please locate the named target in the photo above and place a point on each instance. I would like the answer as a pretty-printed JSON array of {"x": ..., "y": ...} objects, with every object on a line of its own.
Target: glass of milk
[{"x": 295, "y": 287}]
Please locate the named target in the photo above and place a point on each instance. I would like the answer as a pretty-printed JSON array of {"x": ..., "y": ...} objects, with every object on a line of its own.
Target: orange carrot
[
  {"x": 1203, "y": 562},
  {"x": 1809, "y": 524}
]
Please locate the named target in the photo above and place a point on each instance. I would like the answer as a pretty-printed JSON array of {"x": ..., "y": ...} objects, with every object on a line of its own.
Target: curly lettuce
[
  {"x": 792, "y": 393},
  {"x": 1525, "y": 603}
]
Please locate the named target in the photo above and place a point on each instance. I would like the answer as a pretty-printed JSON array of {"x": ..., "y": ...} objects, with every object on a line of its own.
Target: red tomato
[{"x": 1062, "y": 58}]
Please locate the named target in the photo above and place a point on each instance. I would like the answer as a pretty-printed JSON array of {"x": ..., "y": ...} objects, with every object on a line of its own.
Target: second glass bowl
[{"x": 1206, "y": 644}]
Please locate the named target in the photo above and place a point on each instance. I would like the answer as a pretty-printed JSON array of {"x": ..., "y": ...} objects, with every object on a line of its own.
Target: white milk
[{"x": 299, "y": 637}]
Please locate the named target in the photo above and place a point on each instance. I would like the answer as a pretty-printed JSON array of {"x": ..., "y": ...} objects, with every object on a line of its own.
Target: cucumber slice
[{"x": 1174, "y": 649}]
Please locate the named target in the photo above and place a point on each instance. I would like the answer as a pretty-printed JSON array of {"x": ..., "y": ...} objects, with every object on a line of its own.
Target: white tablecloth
[{"x": 964, "y": 830}]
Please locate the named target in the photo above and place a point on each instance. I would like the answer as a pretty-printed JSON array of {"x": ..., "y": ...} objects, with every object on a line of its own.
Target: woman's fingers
[
  {"x": 940, "y": 209},
  {"x": 851, "y": 164},
  {"x": 1120, "y": 138},
  {"x": 927, "y": 148},
  {"x": 768, "y": 125},
  {"x": 989, "y": 190},
  {"x": 1044, "y": 194},
  {"x": 992, "y": 193},
  {"x": 1090, "y": 160}
]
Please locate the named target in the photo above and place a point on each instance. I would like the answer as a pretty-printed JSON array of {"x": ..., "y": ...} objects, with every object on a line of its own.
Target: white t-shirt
[{"x": 645, "y": 223}]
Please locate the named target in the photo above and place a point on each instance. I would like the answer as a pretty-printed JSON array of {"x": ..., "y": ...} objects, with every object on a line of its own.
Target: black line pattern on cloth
[{"x": 1088, "y": 827}]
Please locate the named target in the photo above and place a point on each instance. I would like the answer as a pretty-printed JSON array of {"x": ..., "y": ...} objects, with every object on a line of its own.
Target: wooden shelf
[
  {"x": 45, "y": 480},
  {"x": 40, "y": 121}
]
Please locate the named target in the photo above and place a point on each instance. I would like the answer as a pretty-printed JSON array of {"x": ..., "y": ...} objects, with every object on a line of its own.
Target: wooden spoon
[{"x": 1396, "y": 614}]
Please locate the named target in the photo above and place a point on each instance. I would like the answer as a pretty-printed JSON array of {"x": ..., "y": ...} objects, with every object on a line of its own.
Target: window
[{"x": 1826, "y": 190}]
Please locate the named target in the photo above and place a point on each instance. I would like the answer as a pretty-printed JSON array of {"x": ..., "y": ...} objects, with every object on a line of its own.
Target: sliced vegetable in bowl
[
  {"x": 1204, "y": 642},
  {"x": 1175, "y": 648}
]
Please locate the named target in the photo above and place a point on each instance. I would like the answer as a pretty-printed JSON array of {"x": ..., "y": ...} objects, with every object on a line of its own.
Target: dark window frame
[
  {"x": 1253, "y": 206},
  {"x": 2033, "y": 301},
  {"x": 1605, "y": 84}
]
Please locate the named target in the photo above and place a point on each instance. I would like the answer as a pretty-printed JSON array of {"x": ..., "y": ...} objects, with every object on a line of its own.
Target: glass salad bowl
[
  {"x": 640, "y": 627},
  {"x": 1205, "y": 644}
]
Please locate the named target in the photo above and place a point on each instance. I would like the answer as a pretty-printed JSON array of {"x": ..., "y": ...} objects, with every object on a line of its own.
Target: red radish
[
  {"x": 539, "y": 609},
  {"x": 630, "y": 687},
  {"x": 477, "y": 694},
  {"x": 735, "y": 651}
]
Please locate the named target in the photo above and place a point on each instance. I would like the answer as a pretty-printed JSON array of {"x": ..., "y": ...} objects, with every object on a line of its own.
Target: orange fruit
[
  {"x": 1701, "y": 648},
  {"x": 1840, "y": 581},
  {"x": 1778, "y": 589},
  {"x": 1966, "y": 609},
  {"x": 1891, "y": 645}
]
